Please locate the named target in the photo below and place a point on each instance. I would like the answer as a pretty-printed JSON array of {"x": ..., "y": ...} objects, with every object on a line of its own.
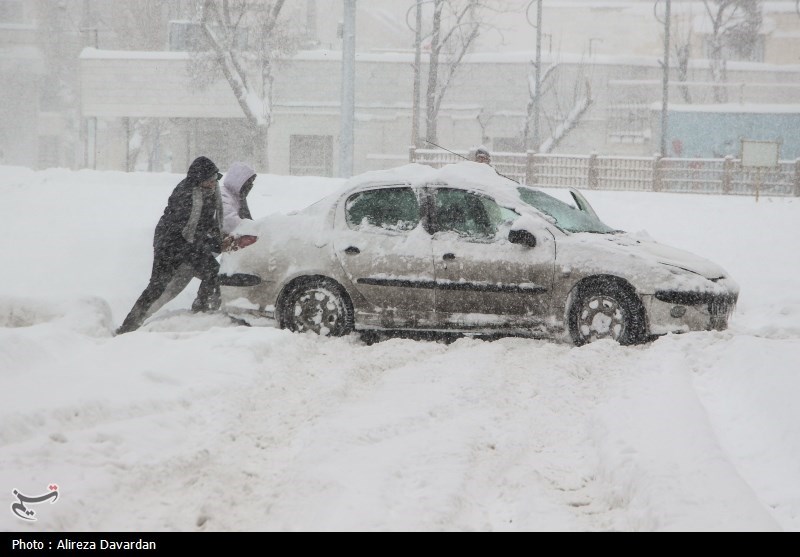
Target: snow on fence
[{"x": 712, "y": 176}]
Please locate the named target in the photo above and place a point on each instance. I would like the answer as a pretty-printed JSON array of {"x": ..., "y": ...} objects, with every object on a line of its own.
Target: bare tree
[
  {"x": 681, "y": 38},
  {"x": 455, "y": 26},
  {"x": 533, "y": 92},
  {"x": 145, "y": 143},
  {"x": 566, "y": 108},
  {"x": 241, "y": 40},
  {"x": 735, "y": 26}
]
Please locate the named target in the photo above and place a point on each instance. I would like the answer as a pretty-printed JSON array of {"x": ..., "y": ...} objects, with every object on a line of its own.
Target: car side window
[
  {"x": 468, "y": 214},
  {"x": 388, "y": 208}
]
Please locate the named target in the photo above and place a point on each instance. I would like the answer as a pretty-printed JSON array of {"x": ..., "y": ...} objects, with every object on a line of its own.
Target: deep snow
[{"x": 193, "y": 423}]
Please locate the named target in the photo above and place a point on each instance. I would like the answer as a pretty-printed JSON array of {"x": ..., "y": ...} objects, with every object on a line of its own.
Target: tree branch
[
  {"x": 454, "y": 65},
  {"x": 229, "y": 66}
]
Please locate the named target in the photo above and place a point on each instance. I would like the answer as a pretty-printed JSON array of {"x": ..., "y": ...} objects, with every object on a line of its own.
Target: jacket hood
[
  {"x": 236, "y": 176},
  {"x": 201, "y": 169},
  {"x": 232, "y": 201}
]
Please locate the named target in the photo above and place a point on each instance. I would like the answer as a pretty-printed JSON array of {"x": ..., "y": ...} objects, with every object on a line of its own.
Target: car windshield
[{"x": 567, "y": 217}]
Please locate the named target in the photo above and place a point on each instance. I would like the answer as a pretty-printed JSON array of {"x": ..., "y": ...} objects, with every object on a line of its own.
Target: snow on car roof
[
  {"x": 470, "y": 175},
  {"x": 464, "y": 173},
  {"x": 467, "y": 174}
]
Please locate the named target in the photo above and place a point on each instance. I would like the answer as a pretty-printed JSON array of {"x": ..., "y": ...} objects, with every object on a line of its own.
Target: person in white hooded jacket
[{"x": 237, "y": 184}]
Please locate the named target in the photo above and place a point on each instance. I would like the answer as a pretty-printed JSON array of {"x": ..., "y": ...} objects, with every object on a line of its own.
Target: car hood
[
  {"x": 646, "y": 264},
  {"x": 660, "y": 253}
]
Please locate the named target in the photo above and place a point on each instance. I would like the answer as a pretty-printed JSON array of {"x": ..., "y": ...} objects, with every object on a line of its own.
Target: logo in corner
[{"x": 23, "y": 512}]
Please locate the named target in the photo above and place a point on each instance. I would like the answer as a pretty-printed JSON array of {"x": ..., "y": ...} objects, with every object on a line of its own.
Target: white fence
[{"x": 712, "y": 176}]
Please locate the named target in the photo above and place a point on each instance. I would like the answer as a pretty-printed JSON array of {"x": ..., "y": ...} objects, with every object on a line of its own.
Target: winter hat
[{"x": 202, "y": 169}]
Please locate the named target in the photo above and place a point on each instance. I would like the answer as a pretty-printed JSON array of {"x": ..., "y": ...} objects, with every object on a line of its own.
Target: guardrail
[{"x": 709, "y": 176}]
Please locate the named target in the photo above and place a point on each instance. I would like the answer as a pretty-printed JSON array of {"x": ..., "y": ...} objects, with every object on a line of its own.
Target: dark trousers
[{"x": 169, "y": 277}]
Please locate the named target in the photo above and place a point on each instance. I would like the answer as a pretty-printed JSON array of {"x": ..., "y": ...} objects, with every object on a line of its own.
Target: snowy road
[{"x": 196, "y": 424}]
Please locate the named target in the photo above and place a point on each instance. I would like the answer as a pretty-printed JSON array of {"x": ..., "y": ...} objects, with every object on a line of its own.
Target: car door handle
[
  {"x": 352, "y": 250},
  {"x": 449, "y": 256}
]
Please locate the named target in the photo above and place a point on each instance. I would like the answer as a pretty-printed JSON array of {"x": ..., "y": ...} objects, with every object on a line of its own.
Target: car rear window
[{"x": 387, "y": 208}]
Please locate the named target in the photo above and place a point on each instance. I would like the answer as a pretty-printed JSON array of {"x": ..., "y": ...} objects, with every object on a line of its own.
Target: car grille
[
  {"x": 720, "y": 309},
  {"x": 720, "y": 306}
]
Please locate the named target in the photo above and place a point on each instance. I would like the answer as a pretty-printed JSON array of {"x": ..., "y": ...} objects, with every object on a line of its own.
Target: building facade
[{"x": 129, "y": 100}]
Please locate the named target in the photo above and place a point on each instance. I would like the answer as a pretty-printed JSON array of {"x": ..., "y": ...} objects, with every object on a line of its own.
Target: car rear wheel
[
  {"x": 605, "y": 310},
  {"x": 317, "y": 305}
]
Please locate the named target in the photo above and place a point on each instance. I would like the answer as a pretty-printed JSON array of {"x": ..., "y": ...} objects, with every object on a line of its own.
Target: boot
[
  {"x": 132, "y": 322},
  {"x": 208, "y": 295}
]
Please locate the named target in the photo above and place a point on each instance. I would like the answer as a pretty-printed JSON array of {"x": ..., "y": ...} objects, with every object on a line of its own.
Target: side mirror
[{"x": 522, "y": 237}]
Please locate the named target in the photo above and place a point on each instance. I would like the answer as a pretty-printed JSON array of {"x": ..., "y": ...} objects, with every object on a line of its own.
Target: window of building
[{"x": 311, "y": 155}]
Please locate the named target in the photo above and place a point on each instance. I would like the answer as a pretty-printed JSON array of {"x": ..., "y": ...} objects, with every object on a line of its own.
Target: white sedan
[{"x": 463, "y": 249}]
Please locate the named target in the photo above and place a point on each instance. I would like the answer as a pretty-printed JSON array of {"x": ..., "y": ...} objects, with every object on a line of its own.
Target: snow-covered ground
[{"x": 193, "y": 423}]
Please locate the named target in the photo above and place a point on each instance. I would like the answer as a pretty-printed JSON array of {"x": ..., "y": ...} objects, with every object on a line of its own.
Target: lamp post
[
  {"x": 537, "y": 101},
  {"x": 416, "y": 101},
  {"x": 665, "y": 81},
  {"x": 538, "y": 71},
  {"x": 346, "y": 131}
]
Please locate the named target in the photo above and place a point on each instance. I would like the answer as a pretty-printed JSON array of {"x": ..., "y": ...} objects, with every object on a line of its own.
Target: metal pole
[
  {"x": 665, "y": 86},
  {"x": 538, "y": 69},
  {"x": 346, "y": 132},
  {"x": 417, "y": 77}
]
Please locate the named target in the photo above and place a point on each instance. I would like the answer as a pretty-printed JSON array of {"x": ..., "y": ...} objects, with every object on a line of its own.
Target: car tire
[
  {"x": 605, "y": 309},
  {"x": 317, "y": 305}
]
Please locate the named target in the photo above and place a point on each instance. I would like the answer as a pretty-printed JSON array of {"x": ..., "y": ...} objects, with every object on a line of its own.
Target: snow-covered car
[{"x": 463, "y": 249}]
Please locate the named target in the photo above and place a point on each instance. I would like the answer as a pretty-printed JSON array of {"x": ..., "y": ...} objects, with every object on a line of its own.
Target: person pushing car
[
  {"x": 185, "y": 244},
  {"x": 238, "y": 182}
]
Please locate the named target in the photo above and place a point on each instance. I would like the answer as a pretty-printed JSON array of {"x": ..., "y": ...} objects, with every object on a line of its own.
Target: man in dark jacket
[{"x": 184, "y": 246}]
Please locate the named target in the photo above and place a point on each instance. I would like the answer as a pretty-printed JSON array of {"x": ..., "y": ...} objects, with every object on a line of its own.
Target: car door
[
  {"x": 482, "y": 278},
  {"x": 386, "y": 253}
]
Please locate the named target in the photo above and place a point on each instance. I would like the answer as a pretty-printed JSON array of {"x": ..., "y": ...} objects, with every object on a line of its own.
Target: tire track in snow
[
  {"x": 332, "y": 434},
  {"x": 421, "y": 447},
  {"x": 741, "y": 380},
  {"x": 248, "y": 439},
  {"x": 660, "y": 458}
]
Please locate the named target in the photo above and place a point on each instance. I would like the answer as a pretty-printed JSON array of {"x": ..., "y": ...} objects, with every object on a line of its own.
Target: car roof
[
  {"x": 470, "y": 176},
  {"x": 467, "y": 175}
]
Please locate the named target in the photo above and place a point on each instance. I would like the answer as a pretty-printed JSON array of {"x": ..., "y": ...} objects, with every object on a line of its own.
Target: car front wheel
[
  {"x": 317, "y": 305},
  {"x": 605, "y": 310}
]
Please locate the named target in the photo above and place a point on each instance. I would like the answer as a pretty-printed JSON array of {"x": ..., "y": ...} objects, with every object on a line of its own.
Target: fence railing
[{"x": 713, "y": 176}]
